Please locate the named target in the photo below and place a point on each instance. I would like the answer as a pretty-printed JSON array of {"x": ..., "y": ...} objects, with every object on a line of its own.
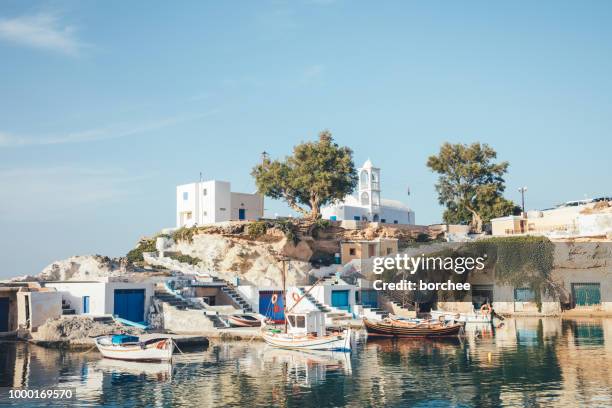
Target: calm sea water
[{"x": 528, "y": 362}]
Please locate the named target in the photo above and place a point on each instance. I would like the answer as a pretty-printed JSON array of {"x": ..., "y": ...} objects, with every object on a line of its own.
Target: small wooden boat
[
  {"x": 473, "y": 317},
  {"x": 306, "y": 331},
  {"x": 399, "y": 328},
  {"x": 126, "y": 347},
  {"x": 243, "y": 320}
]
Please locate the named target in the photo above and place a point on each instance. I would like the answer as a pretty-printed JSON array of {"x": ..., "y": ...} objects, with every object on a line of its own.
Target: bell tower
[{"x": 369, "y": 190}]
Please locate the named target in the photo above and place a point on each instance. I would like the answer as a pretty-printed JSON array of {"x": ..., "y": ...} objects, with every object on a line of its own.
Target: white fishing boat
[
  {"x": 484, "y": 315},
  {"x": 126, "y": 347},
  {"x": 306, "y": 331}
]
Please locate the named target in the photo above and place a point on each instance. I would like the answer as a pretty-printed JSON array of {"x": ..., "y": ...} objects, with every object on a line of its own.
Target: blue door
[
  {"x": 85, "y": 304},
  {"x": 129, "y": 304},
  {"x": 369, "y": 297},
  {"x": 340, "y": 299},
  {"x": 273, "y": 311},
  {"x": 241, "y": 214},
  {"x": 4, "y": 314}
]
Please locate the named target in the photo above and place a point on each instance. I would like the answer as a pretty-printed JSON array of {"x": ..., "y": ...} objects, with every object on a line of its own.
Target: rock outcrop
[
  {"x": 81, "y": 267},
  {"x": 78, "y": 330},
  {"x": 252, "y": 261}
]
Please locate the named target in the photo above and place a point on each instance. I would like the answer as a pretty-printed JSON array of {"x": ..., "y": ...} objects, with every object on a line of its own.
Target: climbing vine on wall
[{"x": 521, "y": 262}]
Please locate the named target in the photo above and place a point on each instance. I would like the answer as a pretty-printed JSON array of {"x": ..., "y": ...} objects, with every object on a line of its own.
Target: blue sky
[{"x": 106, "y": 106}]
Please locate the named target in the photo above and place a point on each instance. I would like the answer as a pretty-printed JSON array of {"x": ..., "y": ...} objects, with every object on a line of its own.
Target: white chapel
[{"x": 367, "y": 205}]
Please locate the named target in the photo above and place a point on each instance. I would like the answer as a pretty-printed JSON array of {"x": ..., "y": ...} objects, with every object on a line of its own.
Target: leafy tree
[
  {"x": 317, "y": 174},
  {"x": 471, "y": 184}
]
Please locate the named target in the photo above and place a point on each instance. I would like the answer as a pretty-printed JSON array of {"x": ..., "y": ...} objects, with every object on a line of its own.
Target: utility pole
[{"x": 522, "y": 190}]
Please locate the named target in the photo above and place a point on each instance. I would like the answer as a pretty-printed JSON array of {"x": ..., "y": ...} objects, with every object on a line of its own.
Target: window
[
  {"x": 291, "y": 320},
  {"x": 185, "y": 195},
  {"x": 389, "y": 250},
  {"x": 85, "y": 304},
  {"x": 365, "y": 179},
  {"x": 205, "y": 213},
  {"x": 204, "y": 192},
  {"x": 301, "y": 322},
  {"x": 383, "y": 220},
  {"x": 352, "y": 251},
  {"x": 395, "y": 221},
  {"x": 221, "y": 209},
  {"x": 365, "y": 198},
  {"x": 524, "y": 295},
  {"x": 357, "y": 218}
]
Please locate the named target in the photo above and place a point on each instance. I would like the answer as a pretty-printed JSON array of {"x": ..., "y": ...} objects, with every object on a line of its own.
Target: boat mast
[{"x": 284, "y": 275}]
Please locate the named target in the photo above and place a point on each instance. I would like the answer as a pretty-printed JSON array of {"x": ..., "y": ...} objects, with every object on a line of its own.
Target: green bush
[
  {"x": 319, "y": 225},
  {"x": 289, "y": 229},
  {"x": 185, "y": 234},
  {"x": 257, "y": 229},
  {"x": 183, "y": 258},
  {"x": 145, "y": 245}
]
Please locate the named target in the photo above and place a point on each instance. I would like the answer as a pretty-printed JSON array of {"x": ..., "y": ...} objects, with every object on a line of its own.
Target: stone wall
[{"x": 185, "y": 321}]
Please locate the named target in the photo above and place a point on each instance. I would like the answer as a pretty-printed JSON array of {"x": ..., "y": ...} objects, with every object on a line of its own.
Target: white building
[
  {"x": 128, "y": 300},
  {"x": 368, "y": 205},
  {"x": 207, "y": 202}
]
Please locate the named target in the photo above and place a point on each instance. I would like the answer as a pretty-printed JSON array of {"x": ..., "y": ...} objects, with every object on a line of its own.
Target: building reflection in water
[{"x": 528, "y": 361}]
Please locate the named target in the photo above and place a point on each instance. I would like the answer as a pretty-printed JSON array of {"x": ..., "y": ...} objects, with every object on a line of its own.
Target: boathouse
[{"x": 124, "y": 299}]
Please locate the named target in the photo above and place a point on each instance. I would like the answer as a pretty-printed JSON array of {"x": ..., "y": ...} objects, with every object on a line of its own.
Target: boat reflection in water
[
  {"x": 152, "y": 371},
  {"x": 306, "y": 368},
  {"x": 527, "y": 362}
]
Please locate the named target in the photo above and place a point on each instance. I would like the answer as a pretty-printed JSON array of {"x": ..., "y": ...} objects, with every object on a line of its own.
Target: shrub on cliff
[{"x": 145, "y": 245}]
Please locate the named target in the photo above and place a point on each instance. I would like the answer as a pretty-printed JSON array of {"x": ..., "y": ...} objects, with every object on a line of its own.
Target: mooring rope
[{"x": 177, "y": 347}]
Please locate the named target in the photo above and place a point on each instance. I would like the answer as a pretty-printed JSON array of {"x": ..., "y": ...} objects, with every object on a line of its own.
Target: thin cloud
[
  {"x": 43, "y": 31},
  {"x": 314, "y": 71},
  {"x": 93, "y": 135},
  {"x": 65, "y": 190}
]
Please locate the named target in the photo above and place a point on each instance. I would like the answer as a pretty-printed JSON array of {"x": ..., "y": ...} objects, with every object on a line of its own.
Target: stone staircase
[
  {"x": 67, "y": 308},
  {"x": 332, "y": 314},
  {"x": 396, "y": 303},
  {"x": 314, "y": 301},
  {"x": 231, "y": 291},
  {"x": 181, "y": 304},
  {"x": 375, "y": 311},
  {"x": 173, "y": 264}
]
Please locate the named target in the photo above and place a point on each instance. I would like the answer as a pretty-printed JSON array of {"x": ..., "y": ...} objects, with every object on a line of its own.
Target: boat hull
[
  {"x": 461, "y": 317},
  {"x": 394, "y": 328},
  {"x": 239, "y": 321},
  {"x": 331, "y": 342},
  {"x": 160, "y": 350}
]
